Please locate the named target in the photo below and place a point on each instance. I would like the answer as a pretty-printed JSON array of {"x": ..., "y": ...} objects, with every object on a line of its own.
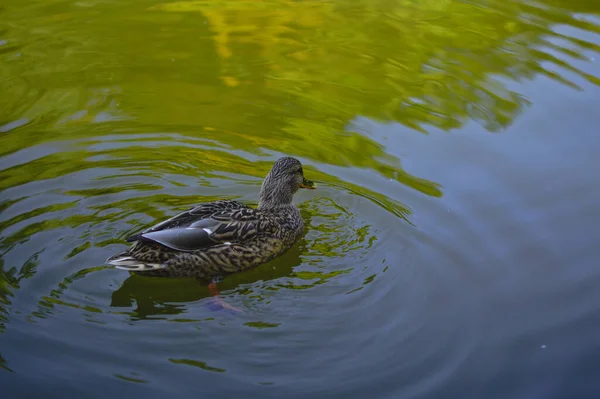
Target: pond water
[{"x": 452, "y": 246}]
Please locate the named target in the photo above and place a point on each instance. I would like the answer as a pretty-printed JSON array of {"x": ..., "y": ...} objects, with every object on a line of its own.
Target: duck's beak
[{"x": 308, "y": 184}]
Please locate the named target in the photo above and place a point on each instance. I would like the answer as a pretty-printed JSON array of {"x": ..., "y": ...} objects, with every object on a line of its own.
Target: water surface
[{"x": 451, "y": 248}]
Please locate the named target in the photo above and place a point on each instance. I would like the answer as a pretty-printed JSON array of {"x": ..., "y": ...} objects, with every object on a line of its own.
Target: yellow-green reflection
[{"x": 275, "y": 75}]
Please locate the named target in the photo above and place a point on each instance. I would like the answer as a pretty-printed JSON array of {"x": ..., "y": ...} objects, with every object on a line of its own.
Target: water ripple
[{"x": 423, "y": 267}]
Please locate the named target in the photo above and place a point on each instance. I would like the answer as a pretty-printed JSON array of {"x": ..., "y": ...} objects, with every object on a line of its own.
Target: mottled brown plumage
[{"x": 222, "y": 237}]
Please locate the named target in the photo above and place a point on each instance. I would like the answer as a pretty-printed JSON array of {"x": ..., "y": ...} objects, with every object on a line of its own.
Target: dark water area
[{"x": 452, "y": 247}]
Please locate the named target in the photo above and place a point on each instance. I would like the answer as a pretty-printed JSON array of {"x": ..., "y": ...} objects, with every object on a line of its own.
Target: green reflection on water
[
  {"x": 261, "y": 324},
  {"x": 276, "y": 75},
  {"x": 198, "y": 364},
  {"x": 131, "y": 379}
]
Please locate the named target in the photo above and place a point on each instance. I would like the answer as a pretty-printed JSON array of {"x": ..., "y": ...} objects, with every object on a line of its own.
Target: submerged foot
[{"x": 217, "y": 303}]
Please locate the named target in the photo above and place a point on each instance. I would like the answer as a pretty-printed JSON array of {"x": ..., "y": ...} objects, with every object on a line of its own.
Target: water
[{"x": 452, "y": 244}]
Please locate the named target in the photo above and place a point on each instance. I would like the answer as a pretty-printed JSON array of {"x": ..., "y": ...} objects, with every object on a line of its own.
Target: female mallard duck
[{"x": 222, "y": 237}]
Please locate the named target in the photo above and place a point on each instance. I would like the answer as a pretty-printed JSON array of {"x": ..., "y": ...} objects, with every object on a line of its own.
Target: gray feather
[{"x": 186, "y": 239}]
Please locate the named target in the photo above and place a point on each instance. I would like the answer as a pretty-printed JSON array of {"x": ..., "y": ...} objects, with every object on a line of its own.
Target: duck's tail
[{"x": 127, "y": 261}]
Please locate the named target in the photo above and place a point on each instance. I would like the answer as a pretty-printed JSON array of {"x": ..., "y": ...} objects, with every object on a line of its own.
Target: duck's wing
[
  {"x": 219, "y": 228},
  {"x": 192, "y": 215}
]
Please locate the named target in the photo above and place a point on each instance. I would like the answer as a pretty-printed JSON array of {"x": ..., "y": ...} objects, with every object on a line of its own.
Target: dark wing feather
[
  {"x": 191, "y": 216},
  {"x": 197, "y": 229},
  {"x": 180, "y": 238}
]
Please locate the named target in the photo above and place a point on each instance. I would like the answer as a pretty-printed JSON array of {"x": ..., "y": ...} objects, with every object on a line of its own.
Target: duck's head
[{"x": 282, "y": 182}]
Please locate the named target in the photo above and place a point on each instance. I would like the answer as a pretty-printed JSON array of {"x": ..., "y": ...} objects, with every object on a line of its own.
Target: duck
[{"x": 214, "y": 239}]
